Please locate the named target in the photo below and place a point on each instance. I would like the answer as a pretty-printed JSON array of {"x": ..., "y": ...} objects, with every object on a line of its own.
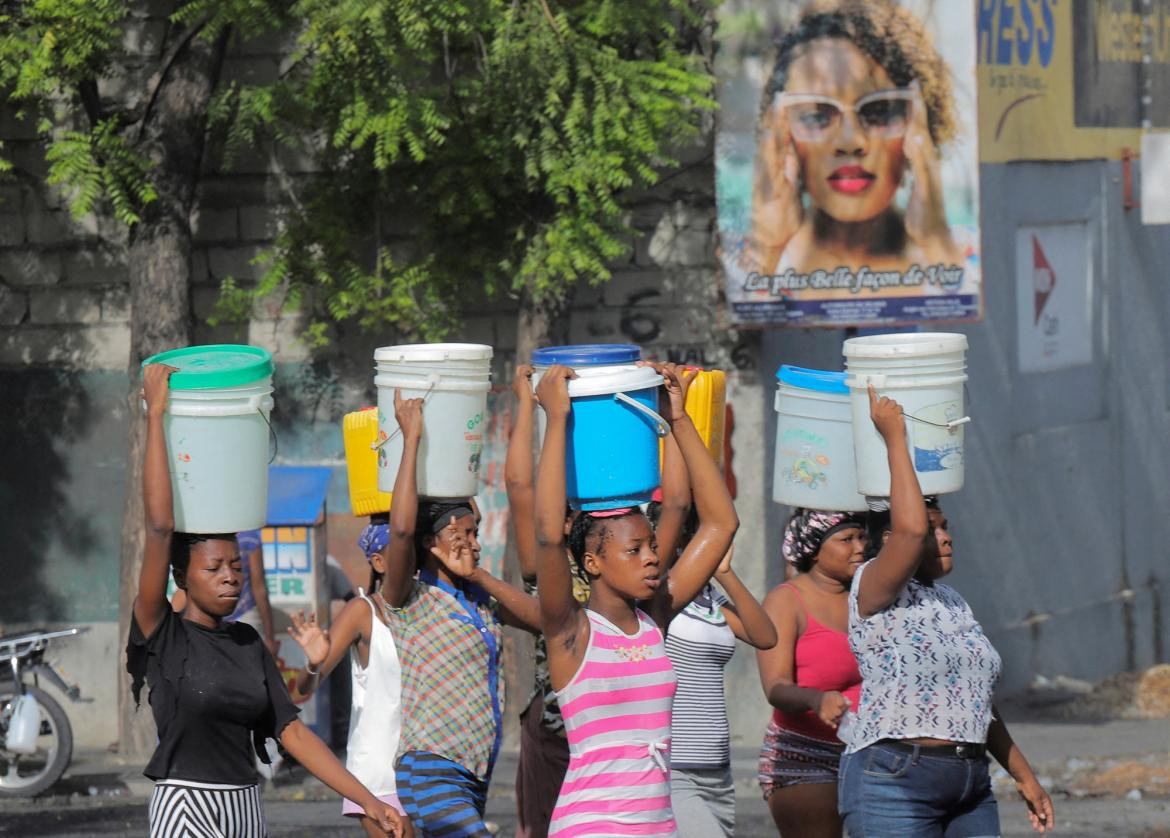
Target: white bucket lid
[
  {"x": 905, "y": 345},
  {"x": 434, "y": 352},
  {"x": 599, "y": 381}
]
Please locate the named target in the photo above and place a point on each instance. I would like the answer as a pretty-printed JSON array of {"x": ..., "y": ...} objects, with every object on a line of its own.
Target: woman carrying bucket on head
[
  {"x": 215, "y": 691},
  {"x": 607, "y": 660},
  {"x": 915, "y": 761},
  {"x": 700, "y": 641},
  {"x": 936, "y": 563},
  {"x": 375, "y": 721},
  {"x": 446, "y": 625},
  {"x": 544, "y": 751},
  {"x": 810, "y": 676}
]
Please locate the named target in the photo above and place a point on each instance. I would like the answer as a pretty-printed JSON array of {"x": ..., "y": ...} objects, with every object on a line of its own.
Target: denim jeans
[{"x": 884, "y": 792}]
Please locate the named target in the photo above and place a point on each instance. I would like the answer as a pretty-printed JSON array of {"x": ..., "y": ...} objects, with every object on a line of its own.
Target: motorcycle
[{"x": 36, "y": 740}]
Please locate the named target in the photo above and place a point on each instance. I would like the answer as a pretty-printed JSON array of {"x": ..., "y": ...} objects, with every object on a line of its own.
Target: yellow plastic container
[
  {"x": 706, "y": 405},
  {"x": 360, "y": 430}
]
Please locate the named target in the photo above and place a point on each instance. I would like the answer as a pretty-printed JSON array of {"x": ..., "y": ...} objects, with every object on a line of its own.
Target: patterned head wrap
[
  {"x": 374, "y": 539},
  {"x": 807, "y": 530}
]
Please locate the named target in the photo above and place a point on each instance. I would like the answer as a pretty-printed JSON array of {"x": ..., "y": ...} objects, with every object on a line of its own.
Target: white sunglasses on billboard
[{"x": 814, "y": 118}]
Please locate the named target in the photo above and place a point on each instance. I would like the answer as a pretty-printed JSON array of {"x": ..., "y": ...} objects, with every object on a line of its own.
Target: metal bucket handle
[
  {"x": 878, "y": 381},
  {"x": 661, "y": 428},
  {"x": 434, "y": 379}
]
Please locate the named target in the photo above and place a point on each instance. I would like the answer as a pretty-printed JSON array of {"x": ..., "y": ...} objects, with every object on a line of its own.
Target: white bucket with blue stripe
[{"x": 926, "y": 373}]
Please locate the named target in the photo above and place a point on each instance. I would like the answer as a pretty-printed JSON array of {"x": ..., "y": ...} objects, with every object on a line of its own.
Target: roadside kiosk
[{"x": 294, "y": 544}]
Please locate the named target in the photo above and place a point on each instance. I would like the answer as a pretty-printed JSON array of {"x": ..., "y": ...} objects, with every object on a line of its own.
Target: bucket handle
[
  {"x": 660, "y": 426},
  {"x": 949, "y": 426},
  {"x": 272, "y": 434},
  {"x": 878, "y": 381},
  {"x": 433, "y": 378}
]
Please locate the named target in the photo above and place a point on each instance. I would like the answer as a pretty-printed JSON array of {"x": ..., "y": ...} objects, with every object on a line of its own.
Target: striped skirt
[
  {"x": 442, "y": 798},
  {"x": 184, "y": 809}
]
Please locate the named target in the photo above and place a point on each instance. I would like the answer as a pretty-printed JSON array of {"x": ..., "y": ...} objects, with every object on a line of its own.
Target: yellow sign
[{"x": 1067, "y": 79}]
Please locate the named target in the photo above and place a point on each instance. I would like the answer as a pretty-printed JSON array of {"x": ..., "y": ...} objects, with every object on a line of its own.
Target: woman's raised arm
[
  {"x": 887, "y": 574},
  {"x": 560, "y": 614},
  {"x": 158, "y": 504},
  {"x": 718, "y": 521},
  {"x": 518, "y": 472},
  {"x": 399, "y": 550}
]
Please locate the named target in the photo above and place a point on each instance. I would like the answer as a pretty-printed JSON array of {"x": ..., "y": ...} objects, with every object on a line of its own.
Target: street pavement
[{"x": 102, "y": 796}]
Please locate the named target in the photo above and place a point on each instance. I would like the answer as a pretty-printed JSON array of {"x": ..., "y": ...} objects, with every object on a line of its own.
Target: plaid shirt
[{"x": 452, "y": 696}]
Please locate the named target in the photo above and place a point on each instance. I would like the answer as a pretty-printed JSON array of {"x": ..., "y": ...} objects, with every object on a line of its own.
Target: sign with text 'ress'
[
  {"x": 1054, "y": 296},
  {"x": 847, "y": 177},
  {"x": 1070, "y": 79}
]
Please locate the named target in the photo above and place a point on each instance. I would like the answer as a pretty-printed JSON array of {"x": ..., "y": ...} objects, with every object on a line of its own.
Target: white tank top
[{"x": 373, "y": 736}]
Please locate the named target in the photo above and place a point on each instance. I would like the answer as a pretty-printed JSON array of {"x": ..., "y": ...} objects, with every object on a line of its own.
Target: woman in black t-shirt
[{"x": 215, "y": 692}]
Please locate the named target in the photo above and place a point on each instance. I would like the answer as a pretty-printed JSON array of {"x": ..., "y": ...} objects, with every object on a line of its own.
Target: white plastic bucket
[
  {"x": 453, "y": 379},
  {"x": 814, "y": 461},
  {"x": 219, "y": 442},
  {"x": 218, "y": 436},
  {"x": 926, "y": 374}
]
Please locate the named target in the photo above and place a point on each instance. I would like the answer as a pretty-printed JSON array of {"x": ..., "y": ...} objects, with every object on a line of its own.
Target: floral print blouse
[{"x": 927, "y": 668}]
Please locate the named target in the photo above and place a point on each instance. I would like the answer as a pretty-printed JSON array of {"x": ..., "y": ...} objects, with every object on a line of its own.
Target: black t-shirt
[{"x": 216, "y": 695}]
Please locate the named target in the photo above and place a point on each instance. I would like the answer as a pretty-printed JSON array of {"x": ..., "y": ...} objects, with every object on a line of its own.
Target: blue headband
[{"x": 374, "y": 539}]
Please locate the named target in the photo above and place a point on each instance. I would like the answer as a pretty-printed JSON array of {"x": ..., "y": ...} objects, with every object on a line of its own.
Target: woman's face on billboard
[{"x": 850, "y": 152}]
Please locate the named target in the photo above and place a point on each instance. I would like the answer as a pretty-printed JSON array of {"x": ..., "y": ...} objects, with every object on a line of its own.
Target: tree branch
[
  {"x": 91, "y": 101},
  {"x": 167, "y": 62},
  {"x": 552, "y": 21}
]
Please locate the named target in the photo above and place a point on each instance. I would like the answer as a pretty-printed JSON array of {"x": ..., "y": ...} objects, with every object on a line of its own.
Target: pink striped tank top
[{"x": 617, "y": 712}]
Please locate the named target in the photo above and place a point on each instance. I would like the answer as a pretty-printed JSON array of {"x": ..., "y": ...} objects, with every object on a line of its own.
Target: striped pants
[
  {"x": 442, "y": 798},
  {"x": 181, "y": 809}
]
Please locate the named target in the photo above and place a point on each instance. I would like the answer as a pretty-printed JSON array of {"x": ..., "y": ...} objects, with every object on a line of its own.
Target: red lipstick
[{"x": 850, "y": 179}]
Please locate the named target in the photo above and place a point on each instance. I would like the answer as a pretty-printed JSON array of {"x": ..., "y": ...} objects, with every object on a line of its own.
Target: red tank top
[{"x": 824, "y": 662}]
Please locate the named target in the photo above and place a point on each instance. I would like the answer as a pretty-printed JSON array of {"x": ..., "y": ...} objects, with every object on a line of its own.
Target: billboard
[
  {"x": 847, "y": 174},
  {"x": 1070, "y": 79}
]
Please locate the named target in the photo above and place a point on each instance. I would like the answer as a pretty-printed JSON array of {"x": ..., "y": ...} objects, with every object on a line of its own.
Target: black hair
[
  {"x": 690, "y": 525},
  {"x": 380, "y": 518},
  {"x": 430, "y": 511},
  {"x": 585, "y": 527},
  {"x": 879, "y": 522},
  {"x": 181, "y": 544},
  {"x": 892, "y": 37}
]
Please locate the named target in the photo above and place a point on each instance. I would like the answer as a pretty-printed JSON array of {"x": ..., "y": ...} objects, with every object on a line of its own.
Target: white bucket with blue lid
[
  {"x": 926, "y": 373},
  {"x": 453, "y": 380},
  {"x": 612, "y": 446},
  {"x": 813, "y": 461}
]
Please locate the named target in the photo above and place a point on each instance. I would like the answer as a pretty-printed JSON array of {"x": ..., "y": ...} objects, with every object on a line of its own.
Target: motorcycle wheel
[{"x": 27, "y": 775}]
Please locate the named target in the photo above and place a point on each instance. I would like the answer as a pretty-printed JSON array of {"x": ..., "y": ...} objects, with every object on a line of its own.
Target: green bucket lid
[{"x": 215, "y": 365}]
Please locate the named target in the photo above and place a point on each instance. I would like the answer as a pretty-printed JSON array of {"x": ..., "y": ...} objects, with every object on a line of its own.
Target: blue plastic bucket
[
  {"x": 612, "y": 452},
  {"x": 814, "y": 463}
]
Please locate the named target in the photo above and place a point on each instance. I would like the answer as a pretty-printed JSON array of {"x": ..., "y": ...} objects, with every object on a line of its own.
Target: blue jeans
[{"x": 884, "y": 791}]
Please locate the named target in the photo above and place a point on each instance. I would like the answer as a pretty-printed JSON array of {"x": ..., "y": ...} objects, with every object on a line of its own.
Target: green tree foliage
[
  {"x": 463, "y": 148},
  {"x": 468, "y": 148},
  {"x": 53, "y": 53}
]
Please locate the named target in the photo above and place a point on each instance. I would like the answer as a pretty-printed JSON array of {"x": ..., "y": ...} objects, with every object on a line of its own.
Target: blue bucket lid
[
  {"x": 822, "y": 381},
  {"x": 587, "y": 354}
]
